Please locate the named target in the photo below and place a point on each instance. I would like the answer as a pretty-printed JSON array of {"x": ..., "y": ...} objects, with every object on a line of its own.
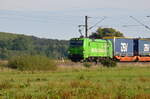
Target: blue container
[
  {"x": 122, "y": 46},
  {"x": 143, "y": 47}
]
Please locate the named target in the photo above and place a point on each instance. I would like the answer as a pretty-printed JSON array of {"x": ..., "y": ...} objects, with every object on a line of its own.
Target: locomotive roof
[{"x": 113, "y": 37}]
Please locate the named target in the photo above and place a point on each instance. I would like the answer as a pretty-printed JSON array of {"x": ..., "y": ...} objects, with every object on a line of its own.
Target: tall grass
[
  {"x": 5, "y": 85},
  {"x": 71, "y": 82}
]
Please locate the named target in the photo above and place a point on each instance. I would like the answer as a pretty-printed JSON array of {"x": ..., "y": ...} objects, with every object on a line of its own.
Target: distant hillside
[{"x": 15, "y": 44}]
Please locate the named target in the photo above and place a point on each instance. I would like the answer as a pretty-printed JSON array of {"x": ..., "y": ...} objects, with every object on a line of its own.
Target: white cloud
[{"x": 69, "y": 4}]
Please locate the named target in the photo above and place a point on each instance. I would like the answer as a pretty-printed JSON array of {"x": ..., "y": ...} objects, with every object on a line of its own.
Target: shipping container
[
  {"x": 143, "y": 47},
  {"x": 122, "y": 46}
]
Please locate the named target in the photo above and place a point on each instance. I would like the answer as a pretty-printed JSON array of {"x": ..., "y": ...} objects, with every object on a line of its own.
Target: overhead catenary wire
[
  {"x": 140, "y": 22},
  {"x": 97, "y": 23},
  {"x": 51, "y": 19}
]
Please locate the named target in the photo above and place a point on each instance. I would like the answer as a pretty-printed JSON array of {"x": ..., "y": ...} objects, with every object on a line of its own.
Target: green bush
[
  {"x": 108, "y": 63},
  {"x": 87, "y": 65},
  {"x": 28, "y": 62}
]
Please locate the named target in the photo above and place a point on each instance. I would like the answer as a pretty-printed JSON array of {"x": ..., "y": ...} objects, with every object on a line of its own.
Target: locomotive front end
[{"x": 76, "y": 49}]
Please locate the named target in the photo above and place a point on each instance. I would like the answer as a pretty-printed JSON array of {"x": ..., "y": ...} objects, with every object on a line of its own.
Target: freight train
[{"x": 113, "y": 48}]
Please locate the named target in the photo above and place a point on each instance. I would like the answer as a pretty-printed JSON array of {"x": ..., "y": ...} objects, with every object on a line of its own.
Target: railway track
[{"x": 119, "y": 64}]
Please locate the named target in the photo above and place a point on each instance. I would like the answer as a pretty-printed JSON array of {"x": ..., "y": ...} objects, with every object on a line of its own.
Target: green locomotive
[{"x": 86, "y": 49}]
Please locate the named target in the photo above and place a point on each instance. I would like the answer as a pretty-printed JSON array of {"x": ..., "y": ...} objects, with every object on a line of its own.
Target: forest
[{"x": 16, "y": 44}]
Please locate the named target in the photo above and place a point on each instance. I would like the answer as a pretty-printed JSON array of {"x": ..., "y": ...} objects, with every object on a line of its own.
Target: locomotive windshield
[{"x": 76, "y": 43}]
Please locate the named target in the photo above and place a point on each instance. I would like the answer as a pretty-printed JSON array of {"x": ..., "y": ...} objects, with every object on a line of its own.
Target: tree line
[{"x": 14, "y": 45}]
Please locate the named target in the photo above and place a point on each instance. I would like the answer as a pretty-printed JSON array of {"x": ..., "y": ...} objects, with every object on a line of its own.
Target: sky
[{"x": 59, "y": 19}]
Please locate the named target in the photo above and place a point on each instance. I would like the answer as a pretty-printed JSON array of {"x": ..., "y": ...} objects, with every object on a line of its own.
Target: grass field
[{"x": 76, "y": 83}]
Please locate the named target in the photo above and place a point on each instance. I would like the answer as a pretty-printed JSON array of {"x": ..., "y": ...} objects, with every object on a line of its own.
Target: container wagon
[
  {"x": 142, "y": 49},
  {"x": 123, "y": 48}
]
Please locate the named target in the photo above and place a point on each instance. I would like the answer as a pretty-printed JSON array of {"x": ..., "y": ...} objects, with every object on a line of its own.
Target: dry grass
[
  {"x": 144, "y": 79},
  {"x": 68, "y": 63},
  {"x": 134, "y": 64},
  {"x": 5, "y": 85},
  {"x": 142, "y": 96}
]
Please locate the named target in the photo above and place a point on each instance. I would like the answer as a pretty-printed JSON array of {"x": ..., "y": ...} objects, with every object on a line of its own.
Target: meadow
[{"x": 77, "y": 82}]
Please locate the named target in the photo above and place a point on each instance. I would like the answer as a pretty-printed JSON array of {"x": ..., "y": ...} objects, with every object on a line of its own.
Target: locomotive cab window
[{"x": 76, "y": 43}]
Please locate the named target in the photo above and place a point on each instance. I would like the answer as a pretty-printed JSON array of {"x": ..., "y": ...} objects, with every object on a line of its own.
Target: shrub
[
  {"x": 87, "y": 65},
  {"x": 3, "y": 63},
  {"x": 28, "y": 62},
  {"x": 108, "y": 63},
  {"x": 5, "y": 85}
]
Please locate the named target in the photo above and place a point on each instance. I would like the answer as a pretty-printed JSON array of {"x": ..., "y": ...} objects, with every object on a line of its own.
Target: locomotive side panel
[
  {"x": 100, "y": 48},
  {"x": 89, "y": 49}
]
